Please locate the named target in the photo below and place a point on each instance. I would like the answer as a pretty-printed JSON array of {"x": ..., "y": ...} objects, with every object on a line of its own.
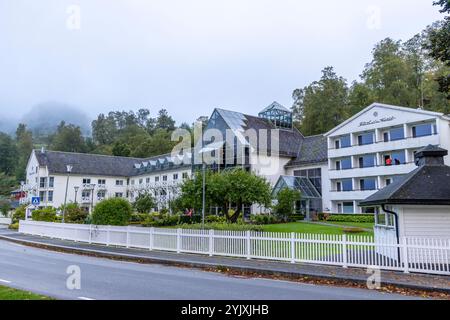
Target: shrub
[
  {"x": 359, "y": 218},
  {"x": 144, "y": 203},
  {"x": 215, "y": 219},
  {"x": 161, "y": 220},
  {"x": 286, "y": 203},
  {"x": 19, "y": 214},
  {"x": 114, "y": 211},
  {"x": 296, "y": 217},
  {"x": 223, "y": 226},
  {"x": 262, "y": 219},
  {"x": 47, "y": 214},
  {"x": 137, "y": 218},
  {"x": 74, "y": 214},
  {"x": 14, "y": 226}
]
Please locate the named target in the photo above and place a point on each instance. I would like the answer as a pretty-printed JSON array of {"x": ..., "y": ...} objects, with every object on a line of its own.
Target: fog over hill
[{"x": 43, "y": 118}]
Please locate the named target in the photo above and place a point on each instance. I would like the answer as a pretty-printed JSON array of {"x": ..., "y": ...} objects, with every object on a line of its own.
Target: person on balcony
[{"x": 388, "y": 161}]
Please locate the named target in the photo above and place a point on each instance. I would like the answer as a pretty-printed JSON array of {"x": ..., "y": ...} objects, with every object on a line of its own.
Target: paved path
[{"x": 44, "y": 272}]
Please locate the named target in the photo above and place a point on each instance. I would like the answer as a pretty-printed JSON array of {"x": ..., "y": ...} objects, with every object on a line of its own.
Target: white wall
[{"x": 424, "y": 221}]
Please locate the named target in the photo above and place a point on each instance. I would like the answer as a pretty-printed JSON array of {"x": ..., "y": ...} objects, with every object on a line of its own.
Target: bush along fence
[{"x": 422, "y": 255}]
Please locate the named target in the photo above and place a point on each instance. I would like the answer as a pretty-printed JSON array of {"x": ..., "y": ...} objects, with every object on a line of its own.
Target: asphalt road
[{"x": 44, "y": 272}]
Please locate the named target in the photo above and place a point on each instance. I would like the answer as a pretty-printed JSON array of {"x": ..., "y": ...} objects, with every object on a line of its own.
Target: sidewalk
[{"x": 424, "y": 282}]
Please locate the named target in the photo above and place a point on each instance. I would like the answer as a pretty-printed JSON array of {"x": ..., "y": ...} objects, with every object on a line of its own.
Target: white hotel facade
[{"x": 334, "y": 171}]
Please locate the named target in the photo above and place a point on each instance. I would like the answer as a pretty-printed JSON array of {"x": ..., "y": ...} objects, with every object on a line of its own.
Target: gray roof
[
  {"x": 313, "y": 149},
  {"x": 429, "y": 184},
  {"x": 277, "y": 106},
  {"x": 89, "y": 164}
]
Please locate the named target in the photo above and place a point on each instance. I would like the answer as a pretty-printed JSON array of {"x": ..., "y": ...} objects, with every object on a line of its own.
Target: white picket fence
[
  {"x": 411, "y": 255},
  {"x": 5, "y": 221}
]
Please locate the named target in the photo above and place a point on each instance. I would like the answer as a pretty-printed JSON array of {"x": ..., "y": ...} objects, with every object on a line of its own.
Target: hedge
[{"x": 361, "y": 218}]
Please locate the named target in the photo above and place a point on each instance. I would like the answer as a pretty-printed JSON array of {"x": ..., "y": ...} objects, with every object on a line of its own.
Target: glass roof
[{"x": 302, "y": 184}]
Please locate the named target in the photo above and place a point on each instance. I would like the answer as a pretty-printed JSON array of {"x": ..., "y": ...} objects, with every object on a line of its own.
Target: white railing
[
  {"x": 5, "y": 220},
  {"x": 411, "y": 255}
]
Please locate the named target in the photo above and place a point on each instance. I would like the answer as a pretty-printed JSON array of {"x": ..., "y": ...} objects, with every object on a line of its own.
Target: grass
[
  {"x": 310, "y": 227},
  {"x": 7, "y": 293}
]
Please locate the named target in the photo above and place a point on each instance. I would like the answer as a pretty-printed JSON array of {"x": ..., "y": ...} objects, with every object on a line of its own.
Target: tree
[
  {"x": 286, "y": 203},
  {"x": 322, "y": 105},
  {"x": 439, "y": 44},
  {"x": 68, "y": 138},
  {"x": 164, "y": 121},
  {"x": 24, "y": 140},
  {"x": 74, "y": 214},
  {"x": 104, "y": 129},
  {"x": 114, "y": 212},
  {"x": 7, "y": 184},
  {"x": 234, "y": 188},
  {"x": 120, "y": 149},
  {"x": 144, "y": 203},
  {"x": 8, "y": 154}
]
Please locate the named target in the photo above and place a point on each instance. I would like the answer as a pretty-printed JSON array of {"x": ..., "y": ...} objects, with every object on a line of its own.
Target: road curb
[{"x": 214, "y": 266}]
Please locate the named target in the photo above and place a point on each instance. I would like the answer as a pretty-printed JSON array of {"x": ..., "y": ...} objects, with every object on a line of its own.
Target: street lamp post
[
  {"x": 76, "y": 192},
  {"x": 69, "y": 170},
  {"x": 92, "y": 197},
  {"x": 203, "y": 193}
]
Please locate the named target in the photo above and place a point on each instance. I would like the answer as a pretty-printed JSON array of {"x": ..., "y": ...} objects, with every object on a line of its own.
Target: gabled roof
[
  {"x": 377, "y": 104},
  {"x": 429, "y": 184}
]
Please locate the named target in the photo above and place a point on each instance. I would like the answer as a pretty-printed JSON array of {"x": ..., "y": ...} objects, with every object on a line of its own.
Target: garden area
[
  {"x": 7, "y": 293},
  {"x": 231, "y": 189}
]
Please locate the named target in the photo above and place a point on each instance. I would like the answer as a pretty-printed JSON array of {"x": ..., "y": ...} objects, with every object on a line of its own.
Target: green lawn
[
  {"x": 307, "y": 227},
  {"x": 14, "y": 294}
]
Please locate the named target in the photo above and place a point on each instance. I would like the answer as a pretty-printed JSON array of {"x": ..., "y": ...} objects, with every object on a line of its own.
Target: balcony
[
  {"x": 381, "y": 170},
  {"x": 101, "y": 187},
  {"x": 351, "y": 195},
  {"x": 381, "y": 146},
  {"x": 86, "y": 200}
]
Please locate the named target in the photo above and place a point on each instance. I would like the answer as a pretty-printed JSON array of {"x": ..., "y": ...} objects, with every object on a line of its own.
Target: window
[
  {"x": 85, "y": 195},
  {"x": 51, "y": 182},
  {"x": 422, "y": 130},
  {"x": 343, "y": 142},
  {"x": 367, "y": 161},
  {"x": 119, "y": 195},
  {"x": 132, "y": 182},
  {"x": 86, "y": 181},
  {"x": 344, "y": 185},
  {"x": 346, "y": 163},
  {"x": 338, "y": 165},
  {"x": 156, "y": 179},
  {"x": 50, "y": 196},
  {"x": 147, "y": 180},
  {"x": 367, "y": 184},
  {"x": 164, "y": 178},
  {"x": 365, "y": 138},
  {"x": 42, "y": 182},
  {"x": 385, "y": 219},
  {"x": 101, "y": 195},
  {"x": 347, "y": 207},
  {"x": 119, "y": 182},
  {"x": 101, "y": 182},
  {"x": 42, "y": 196},
  {"x": 388, "y": 181},
  {"x": 141, "y": 181},
  {"x": 396, "y": 134},
  {"x": 185, "y": 175},
  {"x": 175, "y": 176}
]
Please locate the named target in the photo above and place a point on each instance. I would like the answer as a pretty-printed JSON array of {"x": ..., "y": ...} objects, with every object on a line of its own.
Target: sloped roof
[
  {"x": 314, "y": 149},
  {"x": 89, "y": 164},
  {"x": 277, "y": 106}
]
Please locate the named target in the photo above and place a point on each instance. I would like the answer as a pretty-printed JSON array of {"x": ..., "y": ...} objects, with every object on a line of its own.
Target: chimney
[{"x": 430, "y": 155}]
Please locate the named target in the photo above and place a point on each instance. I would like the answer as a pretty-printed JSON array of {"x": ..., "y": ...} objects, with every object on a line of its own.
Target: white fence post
[
  {"x": 292, "y": 247},
  {"x": 178, "y": 240},
  {"x": 107, "y": 235},
  {"x": 248, "y": 244},
  {"x": 211, "y": 242},
  {"x": 405, "y": 255},
  {"x": 90, "y": 234},
  {"x": 152, "y": 230},
  {"x": 344, "y": 251},
  {"x": 128, "y": 236}
]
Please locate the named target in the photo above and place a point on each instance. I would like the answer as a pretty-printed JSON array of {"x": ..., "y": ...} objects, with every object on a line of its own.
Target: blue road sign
[{"x": 35, "y": 201}]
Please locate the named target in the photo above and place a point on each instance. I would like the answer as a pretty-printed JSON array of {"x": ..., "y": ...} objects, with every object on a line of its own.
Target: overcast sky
[{"x": 187, "y": 56}]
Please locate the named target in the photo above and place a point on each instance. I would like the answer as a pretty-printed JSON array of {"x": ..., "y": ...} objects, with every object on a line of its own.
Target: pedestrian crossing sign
[{"x": 35, "y": 201}]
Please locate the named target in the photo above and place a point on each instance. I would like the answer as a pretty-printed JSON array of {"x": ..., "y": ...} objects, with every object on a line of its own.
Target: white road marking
[
  {"x": 84, "y": 298},
  {"x": 5, "y": 281}
]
